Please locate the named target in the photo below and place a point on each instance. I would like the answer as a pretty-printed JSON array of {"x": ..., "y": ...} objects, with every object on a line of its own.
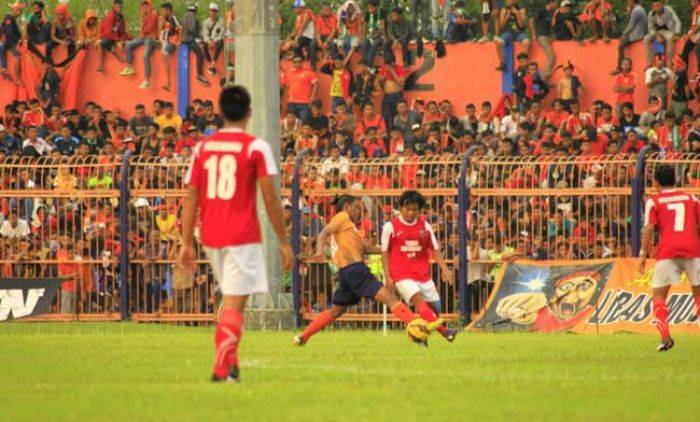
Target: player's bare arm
[
  {"x": 445, "y": 274},
  {"x": 273, "y": 206},
  {"x": 186, "y": 259},
  {"x": 647, "y": 244},
  {"x": 388, "y": 281}
]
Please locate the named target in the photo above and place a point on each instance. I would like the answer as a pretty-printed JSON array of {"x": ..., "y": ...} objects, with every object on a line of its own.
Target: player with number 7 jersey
[
  {"x": 225, "y": 171},
  {"x": 676, "y": 216}
]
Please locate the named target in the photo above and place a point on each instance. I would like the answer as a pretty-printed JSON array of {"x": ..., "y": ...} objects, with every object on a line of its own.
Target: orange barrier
[{"x": 465, "y": 75}]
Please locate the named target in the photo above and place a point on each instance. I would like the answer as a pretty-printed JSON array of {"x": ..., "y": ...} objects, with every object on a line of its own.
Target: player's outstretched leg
[
  {"x": 229, "y": 332},
  {"x": 397, "y": 307},
  {"x": 661, "y": 318},
  {"x": 447, "y": 333},
  {"x": 323, "y": 319}
]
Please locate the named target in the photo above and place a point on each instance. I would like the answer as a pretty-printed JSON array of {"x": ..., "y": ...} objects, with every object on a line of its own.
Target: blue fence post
[
  {"x": 637, "y": 200},
  {"x": 463, "y": 207},
  {"x": 508, "y": 68},
  {"x": 124, "y": 196},
  {"x": 296, "y": 231},
  {"x": 183, "y": 79}
]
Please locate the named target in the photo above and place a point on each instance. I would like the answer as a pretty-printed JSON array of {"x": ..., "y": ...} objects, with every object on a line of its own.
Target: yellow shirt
[
  {"x": 175, "y": 121},
  {"x": 166, "y": 226},
  {"x": 347, "y": 245},
  {"x": 336, "y": 83}
]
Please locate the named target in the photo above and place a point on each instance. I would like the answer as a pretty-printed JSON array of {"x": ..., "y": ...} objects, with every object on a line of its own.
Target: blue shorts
[
  {"x": 355, "y": 282},
  {"x": 509, "y": 36}
]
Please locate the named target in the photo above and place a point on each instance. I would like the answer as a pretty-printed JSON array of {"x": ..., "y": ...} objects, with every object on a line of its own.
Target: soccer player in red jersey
[
  {"x": 355, "y": 280},
  {"x": 226, "y": 167},
  {"x": 676, "y": 215},
  {"x": 408, "y": 243}
]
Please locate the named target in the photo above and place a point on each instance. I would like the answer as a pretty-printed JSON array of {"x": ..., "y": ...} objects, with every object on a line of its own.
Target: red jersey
[
  {"x": 676, "y": 214},
  {"x": 225, "y": 168},
  {"x": 410, "y": 248}
]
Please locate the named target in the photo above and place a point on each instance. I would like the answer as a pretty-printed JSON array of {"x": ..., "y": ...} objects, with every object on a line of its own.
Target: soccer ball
[{"x": 418, "y": 331}]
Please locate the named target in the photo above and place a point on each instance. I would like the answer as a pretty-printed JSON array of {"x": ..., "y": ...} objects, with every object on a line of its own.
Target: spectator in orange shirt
[
  {"x": 370, "y": 119},
  {"x": 375, "y": 146},
  {"x": 624, "y": 85},
  {"x": 69, "y": 270},
  {"x": 326, "y": 32},
  {"x": 607, "y": 120},
  {"x": 300, "y": 86}
]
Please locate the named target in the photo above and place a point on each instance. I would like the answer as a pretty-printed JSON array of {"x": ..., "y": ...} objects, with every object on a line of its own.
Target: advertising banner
[
  {"x": 21, "y": 298},
  {"x": 604, "y": 296}
]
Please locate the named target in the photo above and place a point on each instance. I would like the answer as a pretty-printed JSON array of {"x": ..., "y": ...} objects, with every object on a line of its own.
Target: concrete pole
[{"x": 257, "y": 68}]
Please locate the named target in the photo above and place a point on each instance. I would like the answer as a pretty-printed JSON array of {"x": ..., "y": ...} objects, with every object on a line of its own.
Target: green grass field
[{"x": 155, "y": 372}]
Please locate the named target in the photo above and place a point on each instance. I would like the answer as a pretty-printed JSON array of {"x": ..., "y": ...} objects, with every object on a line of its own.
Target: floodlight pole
[{"x": 257, "y": 68}]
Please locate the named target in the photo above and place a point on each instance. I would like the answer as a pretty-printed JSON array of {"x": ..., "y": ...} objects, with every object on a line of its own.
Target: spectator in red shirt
[
  {"x": 632, "y": 144},
  {"x": 69, "y": 270},
  {"x": 113, "y": 33},
  {"x": 624, "y": 85},
  {"x": 148, "y": 39},
  {"x": 300, "y": 86},
  {"x": 392, "y": 77},
  {"x": 578, "y": 121},
  {"x": 307, "y": 140},
  {"x": 34, "y": 116},
  {"x": 375, "y": 146},
  {"x": 606, "y": 121}
]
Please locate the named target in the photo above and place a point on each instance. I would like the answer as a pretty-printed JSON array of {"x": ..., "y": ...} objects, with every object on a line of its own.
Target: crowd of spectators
[{"x": 419, "y": 142}]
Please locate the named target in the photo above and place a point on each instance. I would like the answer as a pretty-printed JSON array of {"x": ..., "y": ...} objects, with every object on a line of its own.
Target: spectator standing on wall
[
  {"x": 680, "y": 93},
  {"x": 421, "y": 10},
  {"x": 541, "y": 31},
  {"x": 113, "y": 34},
  {"x": 168, "y": 30},
  {"x": 489, "y": 12},
  {"x": 149, "y": 35},
  {"x": 191, "y": 38},
  {"x": 635, "y": 30},
  {"x": 213, "y": 37},
  {"x": 663, "y": 25}
]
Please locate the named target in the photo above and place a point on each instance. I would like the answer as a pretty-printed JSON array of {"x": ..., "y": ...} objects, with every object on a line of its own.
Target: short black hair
[
  {"x": 167, "y": 6},
  {"x": 665, "y": 175},
  {"x": 343, "y": 200},
  {"x": 140, "y": 107},
  {"x": 234, "y": 103},
  {"x": 411, "y": 197}
]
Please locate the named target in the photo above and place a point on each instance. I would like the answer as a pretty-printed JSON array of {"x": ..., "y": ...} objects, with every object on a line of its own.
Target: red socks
[
  {"x": 427, "y": 313},
  {"x": 322, "y": 320},
  {"x": 229, "y": 332},
  {"x": 661, "y": 318},
  {"x": 697, "y": 307},
  {"x": 401, "y": 311}
]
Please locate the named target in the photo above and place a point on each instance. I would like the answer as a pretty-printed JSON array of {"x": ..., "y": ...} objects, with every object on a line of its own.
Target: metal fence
[{"x": 115, "y": 243}]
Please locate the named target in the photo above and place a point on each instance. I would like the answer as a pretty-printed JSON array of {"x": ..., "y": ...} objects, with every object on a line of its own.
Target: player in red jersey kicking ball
[
  {"x": 677, "y": 217},
  {"x": 355, "y": 280},
  {"x": 225, "y": 170},
  {"x": 408, "y": 243}
]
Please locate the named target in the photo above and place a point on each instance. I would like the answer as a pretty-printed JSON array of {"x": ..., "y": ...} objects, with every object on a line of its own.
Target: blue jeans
[
  {"x": 389, "y": 104},
  {"x": 369, "y": 49},
  {"x": 4, "y": 48},
  {"x": 301, "y": 110},
  {"x": 150, "y": 46}
]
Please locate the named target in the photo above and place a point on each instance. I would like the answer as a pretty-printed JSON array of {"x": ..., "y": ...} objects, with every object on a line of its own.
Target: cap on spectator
[
  {"x": 141, "y": 202},
  {"x": 2, "y": 128},
  {"x": 298, "y": 3},
  {"x": 522, "y": 56},
  {"x": 415, "y": 127},
  {"x": 213, "y": 6},
  {"x": 62, "y": 9},
  {"x": 565, "y": 3},
  {"x": 192, "y": 128},
  {"x": 192, "y": 8}
]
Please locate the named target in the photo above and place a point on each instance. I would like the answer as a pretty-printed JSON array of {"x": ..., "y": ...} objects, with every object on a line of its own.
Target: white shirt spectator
[
  {"x": 477, "y": 271},
  {"x": 39, "y": 144},
  {"x": 341, "y": 163},
  {"x": 21, "y": 230},
  {"x": 509, "y": 125}
]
